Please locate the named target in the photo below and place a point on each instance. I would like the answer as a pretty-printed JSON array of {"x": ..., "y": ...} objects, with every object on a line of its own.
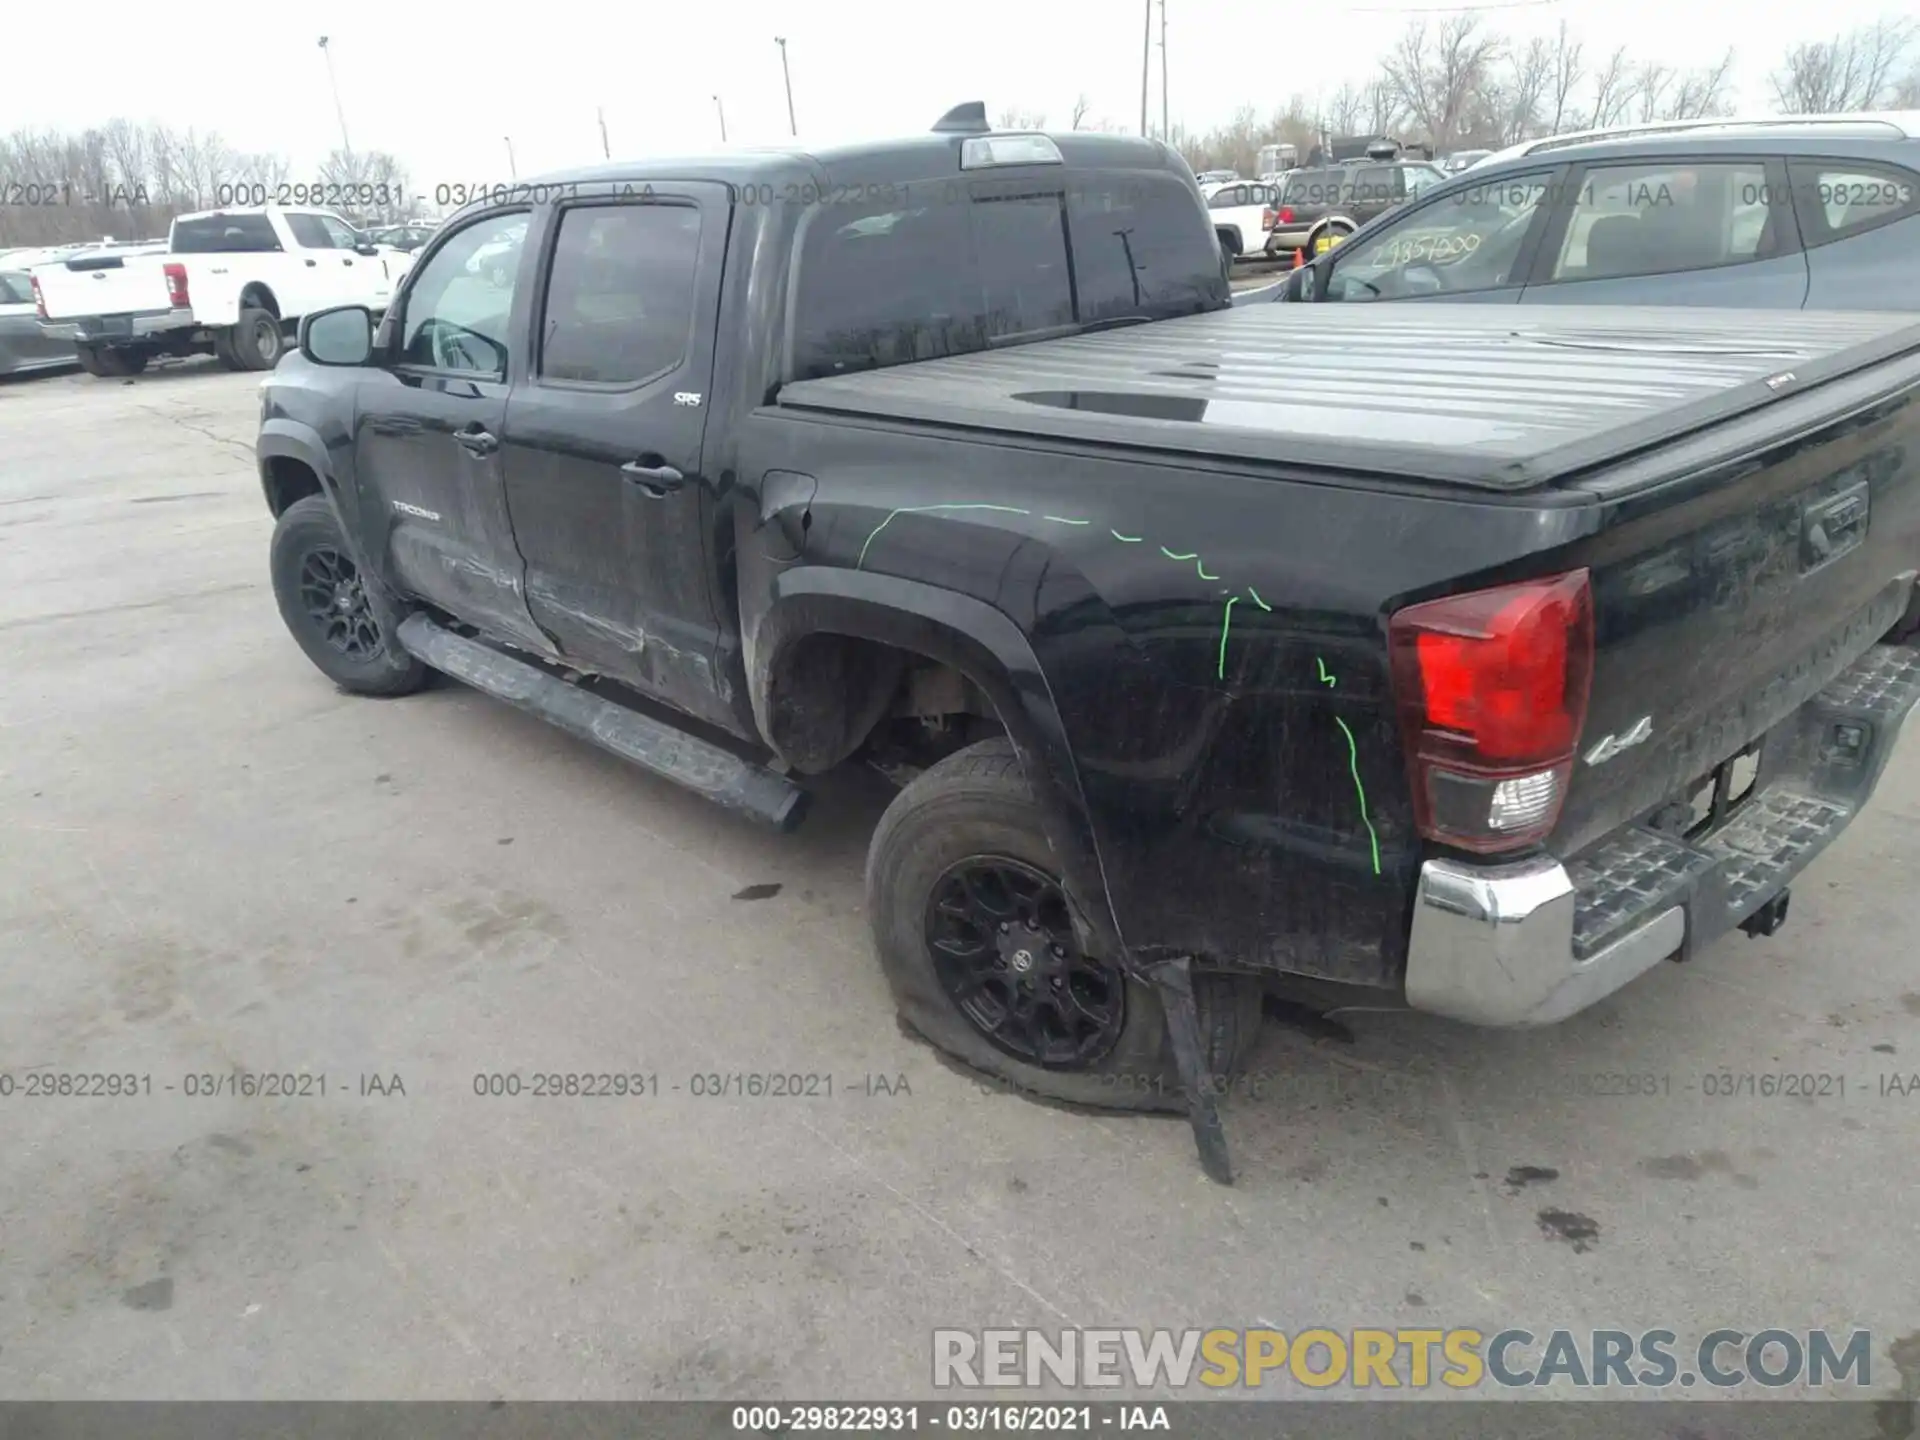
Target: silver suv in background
[{"x": 1800, "y": 213}]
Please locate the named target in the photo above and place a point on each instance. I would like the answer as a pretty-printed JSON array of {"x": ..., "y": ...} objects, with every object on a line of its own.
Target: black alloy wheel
[
  {"x": 335, "y": 600},
  {"x": 1002, "y": 942}
]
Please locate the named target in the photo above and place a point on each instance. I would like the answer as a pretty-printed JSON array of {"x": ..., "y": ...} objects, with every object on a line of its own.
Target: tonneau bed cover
[{"x": 1498, "y": 397}]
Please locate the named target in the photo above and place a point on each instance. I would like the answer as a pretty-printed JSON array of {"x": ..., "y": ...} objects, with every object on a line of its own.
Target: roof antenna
[{"x": 967, "y": 119}]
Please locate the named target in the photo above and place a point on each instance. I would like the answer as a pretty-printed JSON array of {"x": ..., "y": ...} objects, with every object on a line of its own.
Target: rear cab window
[
  {"x": 221, "y": 234},
  {"x": 945, "y": 273}
]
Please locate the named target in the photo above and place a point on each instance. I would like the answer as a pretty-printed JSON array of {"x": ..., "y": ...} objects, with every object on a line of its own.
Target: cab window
[
  {"x": 619, "y": 305},
  {"x": 456, "y": 310},
  {"x": 1660, "y": 217},
  {"x": 1454, "y": 244}
]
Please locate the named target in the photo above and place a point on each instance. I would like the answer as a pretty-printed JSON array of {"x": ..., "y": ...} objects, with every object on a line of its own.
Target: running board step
[{"x": 724, "y": 778}]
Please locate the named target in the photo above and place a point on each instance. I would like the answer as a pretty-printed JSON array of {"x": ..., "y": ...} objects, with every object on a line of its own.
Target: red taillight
[
  {"x": 1286, "y": 214},
  {"x": 1492, "y": 692},
  {"x": 177, "y": 286},
  {"x": 39, "y": 300}
]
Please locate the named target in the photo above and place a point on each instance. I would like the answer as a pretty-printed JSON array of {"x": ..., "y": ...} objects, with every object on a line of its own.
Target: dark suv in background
[
  {"x": 1807, "y": 213},
  {"x": 1320, "y": 207}
]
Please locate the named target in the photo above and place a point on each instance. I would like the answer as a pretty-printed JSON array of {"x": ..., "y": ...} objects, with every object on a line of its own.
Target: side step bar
[{"x": 724, "y": 778}]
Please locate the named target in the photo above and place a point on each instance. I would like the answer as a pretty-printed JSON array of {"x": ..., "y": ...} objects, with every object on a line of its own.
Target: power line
[{"x": 1448, "y": 9}]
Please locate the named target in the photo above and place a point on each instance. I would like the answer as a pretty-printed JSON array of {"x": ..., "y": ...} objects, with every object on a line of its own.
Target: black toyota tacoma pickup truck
[{"x": 1478, "y": 662}]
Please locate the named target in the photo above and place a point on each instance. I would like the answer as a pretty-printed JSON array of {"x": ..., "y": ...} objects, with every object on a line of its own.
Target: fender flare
[
  {"x": 982, "y": 644},
  {"x": 284, "y": 438}
]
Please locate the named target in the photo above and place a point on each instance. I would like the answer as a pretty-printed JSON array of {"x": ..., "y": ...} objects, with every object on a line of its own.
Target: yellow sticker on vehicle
[{"x": 1326, "y": 242}]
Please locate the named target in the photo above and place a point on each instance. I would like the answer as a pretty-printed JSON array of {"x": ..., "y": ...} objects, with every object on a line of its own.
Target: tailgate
[
  {"x": 106, "y": 285},
  {"x": 1734, "y": 577}
]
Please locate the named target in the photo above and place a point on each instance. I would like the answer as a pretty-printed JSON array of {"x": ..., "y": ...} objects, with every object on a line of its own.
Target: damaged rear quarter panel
[{"x": 1213, "y": 645}]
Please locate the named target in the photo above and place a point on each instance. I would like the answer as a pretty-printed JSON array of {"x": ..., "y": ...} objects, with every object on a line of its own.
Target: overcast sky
[{"x": 442, "y": 85}]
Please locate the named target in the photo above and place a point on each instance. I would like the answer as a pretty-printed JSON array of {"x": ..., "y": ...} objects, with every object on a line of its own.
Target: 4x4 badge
[{"x": 1612, "y": 745}]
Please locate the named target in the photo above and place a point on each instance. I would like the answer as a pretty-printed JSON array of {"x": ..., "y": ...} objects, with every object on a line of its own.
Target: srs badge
[{"x": 1612, "y": 745}]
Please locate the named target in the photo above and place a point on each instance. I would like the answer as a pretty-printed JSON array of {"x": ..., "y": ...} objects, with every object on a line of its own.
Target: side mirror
[
  {"x": 366, "y": 247},
  {"x": 341, "y": 336}
]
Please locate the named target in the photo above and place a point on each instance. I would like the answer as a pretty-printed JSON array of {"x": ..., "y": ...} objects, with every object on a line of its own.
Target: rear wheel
[
  {"x": 223, "y": 350},
  {"x": 323, "y": 600},
  {"x": 1326, "y": 235},
  {"x": 976, "y": 937},
  {"x": 256, "y": 339},
  {"x": 1229, "y": 252}
]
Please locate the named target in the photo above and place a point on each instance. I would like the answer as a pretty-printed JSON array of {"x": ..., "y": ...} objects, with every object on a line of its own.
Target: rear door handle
[
  {"x": 312, "y": 262},
  {"x": 477, "y": 440},
  {"x": 654, "y": 480}
]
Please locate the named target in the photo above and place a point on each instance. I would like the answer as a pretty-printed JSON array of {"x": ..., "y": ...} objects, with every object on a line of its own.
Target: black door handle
[
  {"x": 655, "y": 480},
  {"x": 312, "y": 262},
  {"x": 477, "y": 440},
  {"x": 346, "y": 262}
]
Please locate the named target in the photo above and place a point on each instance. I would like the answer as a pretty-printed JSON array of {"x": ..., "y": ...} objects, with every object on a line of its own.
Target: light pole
[
  {"x": 1146, "y": 59},
  {"x": 605, "y": 150},
  {"x": 723, "y": 118},
  {"x": 512, "y": 173},
  {"x": 1165, "y": 133},
  {"x": 334, "y": 85},
  {"x": 787, "y": 75}
]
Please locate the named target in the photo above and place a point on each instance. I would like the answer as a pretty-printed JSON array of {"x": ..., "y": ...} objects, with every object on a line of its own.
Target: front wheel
[
  {"x": 977, "y": 940},
  {"x": 323, "y": 600}
]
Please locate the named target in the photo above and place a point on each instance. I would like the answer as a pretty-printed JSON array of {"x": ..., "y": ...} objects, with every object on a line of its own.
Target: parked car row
[
  {"x": 1816, "y": 213},
  {"x": 230, "y": 283}
]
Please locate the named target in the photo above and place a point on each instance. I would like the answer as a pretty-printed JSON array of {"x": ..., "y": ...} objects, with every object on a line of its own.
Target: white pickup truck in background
[{"x": 233, "y": 282}]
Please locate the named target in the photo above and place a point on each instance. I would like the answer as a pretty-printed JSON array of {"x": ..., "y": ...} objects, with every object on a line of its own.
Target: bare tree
[
  {"x": 1383, "y": 109},
  {"x": 1613, "y": 88},
  {"x": 1564, "y": 76},
  {"x": 1701, "y": 93},
  {"x": 1854, "y": 71},
  {"x": 1518, "y": 92},
  {"x": 1080, "y": 108},
  {"x": 1012, "y": 118},
  {"x": 1343, "y": 112},
  {"x": 1436, "y": 75},
  {"x": 1651, "y": 81},
  {"x": 1906, "y": 95}
]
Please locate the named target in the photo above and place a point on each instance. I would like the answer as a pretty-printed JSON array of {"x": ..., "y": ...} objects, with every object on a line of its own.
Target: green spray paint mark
[
  {"x": 921, "y": 510},
  {"x": 1226, "y": 624},
  {"x": 1201, "y": 566},
  {"x": 1325, "y": 678},
  {"x": 1063, "y": 520},
  {"x": 1171, "y": 556},
  {"x": 1258, "y": 601},
  {"x": 1125, "y": 539},
  {"x": 1353, "y": 766}
]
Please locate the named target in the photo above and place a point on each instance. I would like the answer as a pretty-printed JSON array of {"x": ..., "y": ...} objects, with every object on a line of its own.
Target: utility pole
[
  {"x": 1165, "y": 133},
  {"x": 1146, "y": 62},
  {"x": 605, "y": 150},
  {"x": 787, "y": 75},
  {"x": 723, "y": 118},
  {"x": 512, "y": 172},
  {"x": 339, "y": 114}
]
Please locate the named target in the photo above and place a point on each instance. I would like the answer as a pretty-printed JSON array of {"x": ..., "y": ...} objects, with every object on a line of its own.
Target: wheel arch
[
  {"x": 260, "y": 294},
  {"x": 980, "y": 643}
]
